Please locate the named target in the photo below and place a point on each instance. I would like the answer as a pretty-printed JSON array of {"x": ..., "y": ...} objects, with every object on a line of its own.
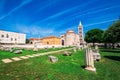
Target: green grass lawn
[
  {"x": 67, "y": 68},
  {"x": 4, "y": 54}
]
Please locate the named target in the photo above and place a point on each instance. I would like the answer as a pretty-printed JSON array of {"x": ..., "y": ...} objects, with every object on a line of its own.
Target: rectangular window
[
  {"x": 79, "y": 32},
  {"x": 11, "y": 39},
  {"x": 7, "y": 36}
]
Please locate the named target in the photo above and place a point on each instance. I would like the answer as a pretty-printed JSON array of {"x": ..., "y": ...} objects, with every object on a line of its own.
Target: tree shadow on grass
[
  {"x": 117, "y": 58},
  {"x": 110, "y": 50},
  {"x": 83, "y": 66}
]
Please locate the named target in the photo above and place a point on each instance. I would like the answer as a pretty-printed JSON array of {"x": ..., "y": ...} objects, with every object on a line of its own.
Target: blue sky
[{"x": 40, "y": 18}]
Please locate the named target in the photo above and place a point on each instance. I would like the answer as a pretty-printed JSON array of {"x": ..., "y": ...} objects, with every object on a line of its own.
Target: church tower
[{"x": 80, "y": 33}]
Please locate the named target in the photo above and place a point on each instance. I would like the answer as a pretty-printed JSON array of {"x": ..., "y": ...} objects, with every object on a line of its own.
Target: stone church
[{"x": 72, "y": 39}]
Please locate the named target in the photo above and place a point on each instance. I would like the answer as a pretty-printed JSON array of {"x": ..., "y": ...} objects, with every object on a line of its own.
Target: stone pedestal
[
  {"x": 91, "y": 69},
  {"x": 89, "y": 62}
]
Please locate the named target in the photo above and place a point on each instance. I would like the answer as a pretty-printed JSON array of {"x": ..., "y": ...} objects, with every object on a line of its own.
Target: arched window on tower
[{"x": 7, "y": 36}]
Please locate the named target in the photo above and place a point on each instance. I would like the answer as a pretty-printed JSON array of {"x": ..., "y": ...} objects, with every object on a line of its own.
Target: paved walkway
[{"x": 9, "y": 60}]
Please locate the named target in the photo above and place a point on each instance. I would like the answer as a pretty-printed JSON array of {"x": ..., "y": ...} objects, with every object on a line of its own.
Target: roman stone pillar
[{"x": 89, "y": 62}]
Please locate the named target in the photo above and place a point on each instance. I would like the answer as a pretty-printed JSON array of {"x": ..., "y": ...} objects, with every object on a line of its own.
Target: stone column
[{"x": 89, "y": 62}]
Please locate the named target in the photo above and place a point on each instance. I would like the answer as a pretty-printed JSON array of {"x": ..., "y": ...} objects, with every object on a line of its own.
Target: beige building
[
  {"x": 7, "y": 37},
  {"x": 51, "y": 40}
]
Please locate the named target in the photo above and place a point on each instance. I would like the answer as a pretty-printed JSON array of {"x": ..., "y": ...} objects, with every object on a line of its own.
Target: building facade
[
  {"x": 7, "y": 37},
  {"x": 35, "y": 40},
  {"x": 51, "y": 40},
  {"x": 70, "y": 38},
  {"x": 62, "y": 39}
]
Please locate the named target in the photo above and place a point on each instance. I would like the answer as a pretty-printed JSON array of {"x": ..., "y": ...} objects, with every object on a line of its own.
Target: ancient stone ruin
[
  {"x": 17, "y": 51},
  {"x": 96, "y": 46},
  {"x": 89, "y": 62},
  {"x": 96, "y": 55},
  {"x": 66, "y": 53},
  {"x": 74, "y": 49},
  {"x": 81, "y": 47},
  {"x": 45, "y": 48},
  {"x": 35, "y": 48},
  {"x": 53, "y": 47},
  {"x": 53, "y": 59},
  {"x": 78, "y": 47},
  {"x": 7, "y": 49},
  {"x": 12, "y": 50}
]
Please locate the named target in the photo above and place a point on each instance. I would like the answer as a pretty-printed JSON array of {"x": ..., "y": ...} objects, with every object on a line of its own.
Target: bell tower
[{"x": 80, "y": 33}]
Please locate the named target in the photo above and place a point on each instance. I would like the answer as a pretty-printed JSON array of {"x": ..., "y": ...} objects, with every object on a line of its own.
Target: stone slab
[
  {"x": 30, "y": 56},
  {"x": 16, "y": 59},
  {"x": 7, "y": 60},
  {"x": 39, "y": 54},
  {"x": 35, "y": 55},
  {"x": 24, "y": 57}
]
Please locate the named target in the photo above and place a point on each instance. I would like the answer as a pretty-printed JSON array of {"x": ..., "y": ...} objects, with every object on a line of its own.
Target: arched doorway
[
  {"x": 62, "y": 42},
  {"x": 47, "y": 43}
]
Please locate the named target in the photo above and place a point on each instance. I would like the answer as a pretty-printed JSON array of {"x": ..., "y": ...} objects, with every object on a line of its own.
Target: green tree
[
  {"x": 112, "y": 34},
  {"x": 94, "y": 36},
  {"x": 27, "y": 41}
]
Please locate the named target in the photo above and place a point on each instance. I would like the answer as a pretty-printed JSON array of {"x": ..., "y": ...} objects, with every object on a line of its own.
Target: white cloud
[
  {"x": 65, "y": 11},
  {"x": 35, "y": 30},
  {"x": 16, "y": 8},
  {"x": 87, "y": 13},
  {"x": 48, "y": 3},
  {"x": 100, "y": 22},
  {"x": 99, "y": 10}
]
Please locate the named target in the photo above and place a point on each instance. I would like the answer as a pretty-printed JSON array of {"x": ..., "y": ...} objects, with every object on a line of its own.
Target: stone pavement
[
  {"x": 7, "y": 60},
  {"x": 31, "y": 56},
  {"x": 16, "y": 58}
]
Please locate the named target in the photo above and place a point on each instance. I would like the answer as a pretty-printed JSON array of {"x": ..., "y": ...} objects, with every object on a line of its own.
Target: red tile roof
[{"x": 32, "y": 39}]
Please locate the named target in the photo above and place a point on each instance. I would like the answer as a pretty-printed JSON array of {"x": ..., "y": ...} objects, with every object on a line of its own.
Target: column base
[{"x": 91, "y": 69}]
